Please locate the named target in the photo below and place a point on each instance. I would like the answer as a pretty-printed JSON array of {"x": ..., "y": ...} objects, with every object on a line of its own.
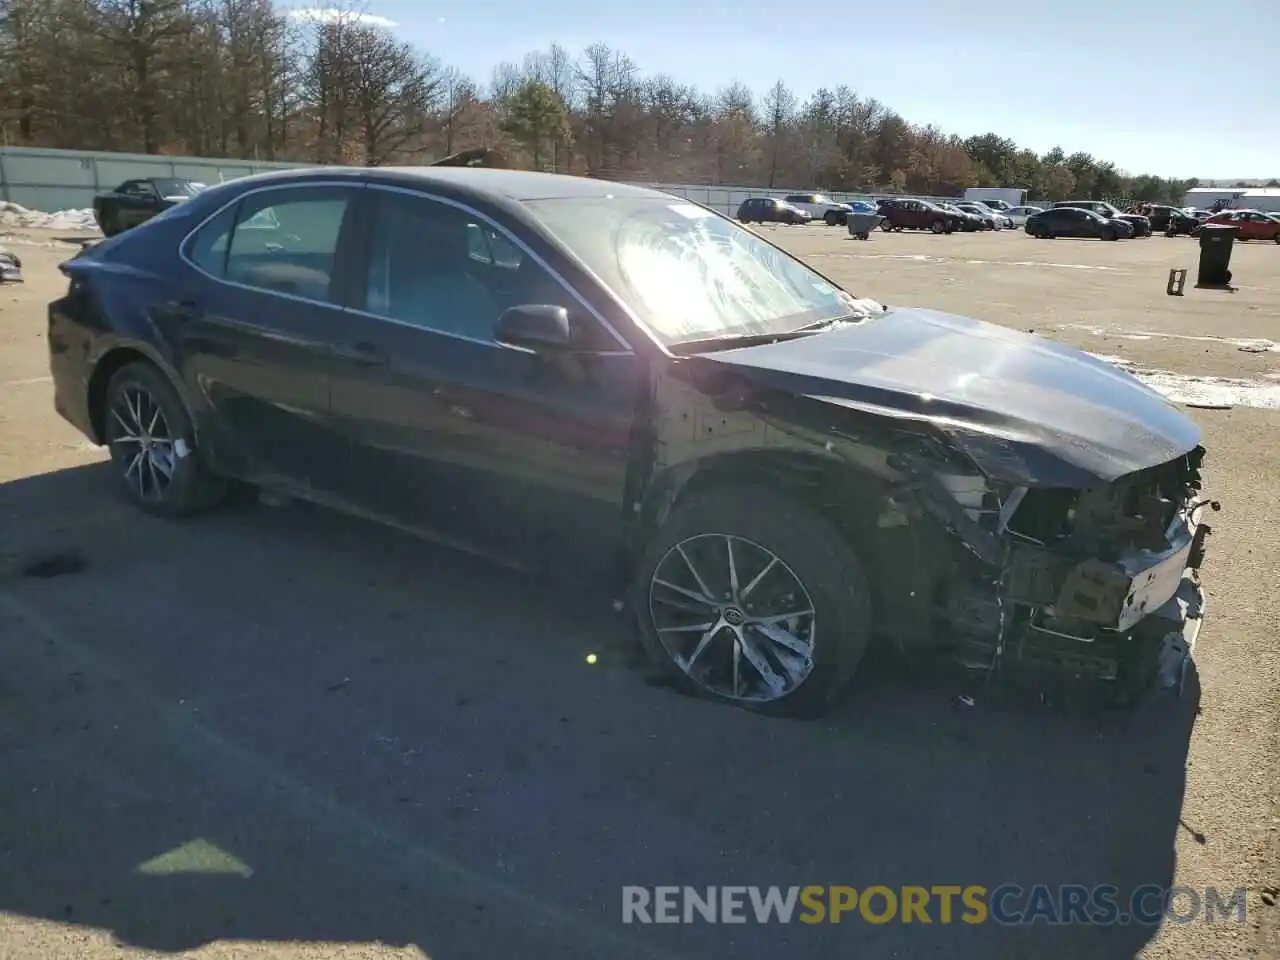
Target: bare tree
[
  {"x": 779, "y": 110},
  {"x": 458, "y": 98},
  {"x": 250, "y": 79},
  {"x": 141, "y": 37},
  {"x": 396, "y": 90}
]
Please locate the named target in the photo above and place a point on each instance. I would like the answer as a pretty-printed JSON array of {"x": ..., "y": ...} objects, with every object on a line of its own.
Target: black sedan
[
  {"x": 772, "y": 210},
  {"x": 1139, "y": 225},
  {"x": 604, "y": 382},
  {"x": 1076, "y": 222},
  {"x": 136, "y": 201}
]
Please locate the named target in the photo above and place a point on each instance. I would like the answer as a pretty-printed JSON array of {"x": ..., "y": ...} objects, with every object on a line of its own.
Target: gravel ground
[{"x": 275, "y": 732}]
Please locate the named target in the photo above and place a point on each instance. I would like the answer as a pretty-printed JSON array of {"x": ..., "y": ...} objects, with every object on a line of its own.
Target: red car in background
[{"x": 1253, "y": 224}]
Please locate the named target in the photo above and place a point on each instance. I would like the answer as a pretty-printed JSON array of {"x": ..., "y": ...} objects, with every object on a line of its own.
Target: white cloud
[{"x": 330, "y": 15}]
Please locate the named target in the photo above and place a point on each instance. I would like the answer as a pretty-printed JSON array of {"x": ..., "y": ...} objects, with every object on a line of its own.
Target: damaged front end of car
[
  {"x": 1099, "y": 582},
  {"x": 1017, "y": 503}
]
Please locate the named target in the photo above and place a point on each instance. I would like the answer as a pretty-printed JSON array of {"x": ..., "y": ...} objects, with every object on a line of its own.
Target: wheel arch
[
  {"x": 910, "y": 559},
  {"x": 116, "y": 358}
]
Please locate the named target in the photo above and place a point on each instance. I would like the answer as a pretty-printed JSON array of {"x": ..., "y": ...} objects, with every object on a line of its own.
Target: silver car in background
[
  {"x": 1018, "y": 215},
  {"x": 999, "y": 218}
]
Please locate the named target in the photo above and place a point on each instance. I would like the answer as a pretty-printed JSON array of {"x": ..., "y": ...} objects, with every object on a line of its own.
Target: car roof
[{"x": 480, "y": 182}]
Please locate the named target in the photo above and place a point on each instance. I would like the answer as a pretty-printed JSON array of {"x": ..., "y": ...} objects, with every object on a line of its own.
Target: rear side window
[
  {"x": 286, "y": 241},
  {"x": 208, "y": 248},
  {"x": 282, "y": 240}
]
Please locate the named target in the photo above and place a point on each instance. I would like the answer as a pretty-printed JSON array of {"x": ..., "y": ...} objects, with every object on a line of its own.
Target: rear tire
[
  {"x": 831, "y": 220},
  {"x": 153, "y": 445},
  {"x": 1109, "y": 234},
  {"x": 813, "y": 568}
]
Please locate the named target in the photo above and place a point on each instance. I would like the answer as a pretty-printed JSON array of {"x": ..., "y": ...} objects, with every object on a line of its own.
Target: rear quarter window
[{"x": 207, "y": 247}]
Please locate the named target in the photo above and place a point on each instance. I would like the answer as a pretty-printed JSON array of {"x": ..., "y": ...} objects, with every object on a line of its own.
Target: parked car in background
[
  {"x": 908, "y": 214},
  {"x": 969, "y": 222},
  {"x": 771, "y": 210},
  {"x": 137, "y": 201},
  {"x": 991, "y": 219},
  {"x": 1018, "y": 215},
  {"x": 1076, "y": 222},
  {"x": 1251, "y": 224},
  {"x": 820, "y": 207},
  {"x": 855, "y": 206},
  {"x": 1140, "y": 224},
  {"x": 1162, "y": 215},
  {"x": 1168, "y": 220},
  {"x": 1003, "y": 220},
  {"x": 738, "y": 464},
  {"x": 997, "y": 198}
]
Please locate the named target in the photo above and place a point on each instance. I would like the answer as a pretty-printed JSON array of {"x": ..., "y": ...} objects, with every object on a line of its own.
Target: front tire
[
  {"x": 748, "y": 598},
  {"x": 153, "y": 445},
  {"x": 1109, "y": 234},
  {"x": 886, "y": 226}
]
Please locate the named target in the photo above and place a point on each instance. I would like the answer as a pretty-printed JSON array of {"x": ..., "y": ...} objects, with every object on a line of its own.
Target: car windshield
[
  {"x": 178, "y": 188},
  {"x": 688, "y": 273}
]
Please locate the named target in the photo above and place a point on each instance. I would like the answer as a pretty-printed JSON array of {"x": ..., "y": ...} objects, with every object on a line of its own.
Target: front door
[
  {"x": 259, "y": 311},
  {"x": 453, "y": 433}
]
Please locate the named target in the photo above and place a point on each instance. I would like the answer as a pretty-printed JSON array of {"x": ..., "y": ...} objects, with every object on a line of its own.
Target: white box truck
[{"x": 997, "y": 198}]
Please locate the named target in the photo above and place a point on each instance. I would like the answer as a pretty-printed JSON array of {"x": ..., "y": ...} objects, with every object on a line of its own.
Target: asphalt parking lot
[{"x": 277, "y": 732}]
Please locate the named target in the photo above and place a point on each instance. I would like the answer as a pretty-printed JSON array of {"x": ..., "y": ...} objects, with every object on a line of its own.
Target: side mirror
[{"x": 538, "y": 326}]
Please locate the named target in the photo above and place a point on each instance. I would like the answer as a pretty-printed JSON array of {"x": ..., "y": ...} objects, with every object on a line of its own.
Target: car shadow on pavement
[{"x": 283, "y": 725}]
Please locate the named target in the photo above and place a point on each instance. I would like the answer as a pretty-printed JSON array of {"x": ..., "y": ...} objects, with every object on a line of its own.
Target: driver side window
[{"x": 444, "y": 269}]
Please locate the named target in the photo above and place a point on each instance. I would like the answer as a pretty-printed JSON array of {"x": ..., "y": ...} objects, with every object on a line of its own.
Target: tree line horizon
[{"x": 242, "y": 79}]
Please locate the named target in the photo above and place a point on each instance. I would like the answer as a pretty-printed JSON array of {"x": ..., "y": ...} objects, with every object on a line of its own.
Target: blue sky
[{"x": 1172, "y": 87}]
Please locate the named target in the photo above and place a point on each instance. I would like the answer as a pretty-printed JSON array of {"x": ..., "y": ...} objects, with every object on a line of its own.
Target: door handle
[{"x": 363, "y": 352}]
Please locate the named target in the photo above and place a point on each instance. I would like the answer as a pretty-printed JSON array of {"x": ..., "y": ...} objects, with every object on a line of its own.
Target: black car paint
[
  {"x": 122, "y": 210},
  {"x": 1062, "y": 417},
  {"x": 1075, "y": 222},
  {"x": 575, "y": 457},
  {"x": 1141, "y": 225}
]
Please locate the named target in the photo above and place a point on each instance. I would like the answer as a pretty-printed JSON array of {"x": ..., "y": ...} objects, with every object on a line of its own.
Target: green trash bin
[{"x": 1216, "y": 240}]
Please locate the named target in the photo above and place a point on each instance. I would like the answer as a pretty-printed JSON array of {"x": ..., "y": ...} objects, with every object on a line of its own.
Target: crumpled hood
[{"x": 1026, "y": 409}]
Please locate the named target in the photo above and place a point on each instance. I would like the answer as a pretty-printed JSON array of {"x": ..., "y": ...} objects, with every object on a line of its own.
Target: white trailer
[
  {"x": 1266, "y": 199},
  {"x": 1002, "y": 197},
  {"x": 1205, "y": 198}
]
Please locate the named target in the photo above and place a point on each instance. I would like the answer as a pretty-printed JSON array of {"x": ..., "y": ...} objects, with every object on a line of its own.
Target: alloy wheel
[
  {"x": 733, "y": 617},
  {"x": 142, "y": 444}
]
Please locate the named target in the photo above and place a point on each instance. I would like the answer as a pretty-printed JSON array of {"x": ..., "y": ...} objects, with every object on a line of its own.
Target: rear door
[
  {"x": 263, "y": 302},
  {"x": 454, "y": 433}
]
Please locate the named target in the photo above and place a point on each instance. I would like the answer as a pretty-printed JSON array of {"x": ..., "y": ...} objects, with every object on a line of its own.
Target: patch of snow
[
  {"x": 1203, "y": 391},
  {"x": 15, "y": 215},
  {"x": 1245, "y": 344}
]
